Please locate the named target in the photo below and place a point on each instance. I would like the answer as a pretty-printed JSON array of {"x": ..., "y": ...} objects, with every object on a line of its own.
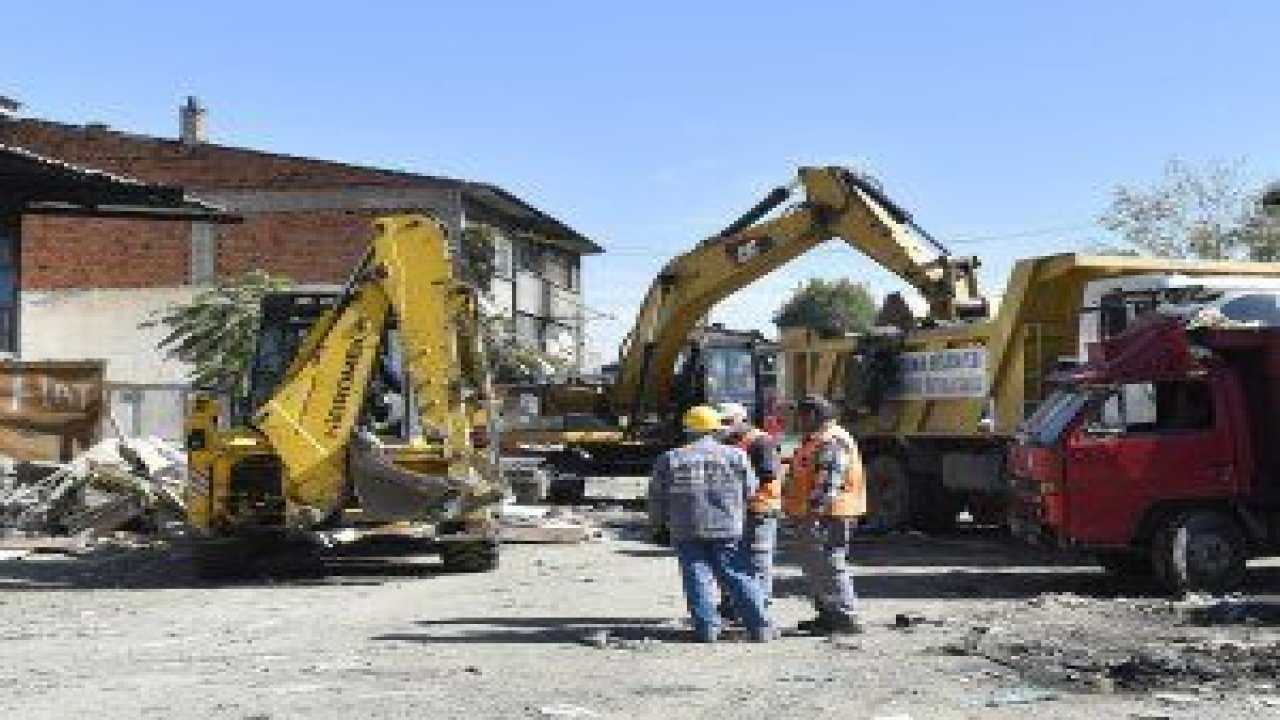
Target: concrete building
[{"x": 80, "y": 287}]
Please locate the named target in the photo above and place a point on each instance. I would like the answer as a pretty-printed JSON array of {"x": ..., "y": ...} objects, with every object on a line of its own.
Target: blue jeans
[{"x": 702, "y": 563}]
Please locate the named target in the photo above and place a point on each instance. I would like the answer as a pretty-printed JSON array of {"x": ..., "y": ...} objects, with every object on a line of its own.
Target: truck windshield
[{"x": 1051, "y": 418}]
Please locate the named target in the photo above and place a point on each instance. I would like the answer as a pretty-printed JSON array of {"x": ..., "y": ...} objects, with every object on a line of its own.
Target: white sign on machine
[{"x": 957, "y": 373}]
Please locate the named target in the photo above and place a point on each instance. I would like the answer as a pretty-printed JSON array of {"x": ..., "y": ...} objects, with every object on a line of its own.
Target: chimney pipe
[
  {"x": 9, "y": 107},
  {"x": 191, "y": 121}
]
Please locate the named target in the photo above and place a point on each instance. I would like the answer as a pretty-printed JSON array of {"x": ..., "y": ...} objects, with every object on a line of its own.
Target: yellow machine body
[{"x": 306, "y": 460}]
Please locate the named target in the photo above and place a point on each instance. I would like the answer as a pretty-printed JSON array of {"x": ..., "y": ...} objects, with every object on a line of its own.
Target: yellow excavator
[
  {"x": 367, "y": 421},
  {"x": 670, "y": 360}
]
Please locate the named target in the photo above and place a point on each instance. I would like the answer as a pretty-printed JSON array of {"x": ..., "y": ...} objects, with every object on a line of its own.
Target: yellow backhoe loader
[{"x": 366, "y": 420}]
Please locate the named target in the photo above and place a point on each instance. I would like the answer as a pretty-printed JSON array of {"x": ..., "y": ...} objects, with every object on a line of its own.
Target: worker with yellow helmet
[{"x": 698, "y": 496}]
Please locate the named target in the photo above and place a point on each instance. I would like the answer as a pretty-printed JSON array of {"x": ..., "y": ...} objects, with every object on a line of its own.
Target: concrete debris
[
  {"x": 1023, "y": 695},
  {"x": 907, "y": 621},
  {"x": 567, "y": 711},
  {"x": 1176, "y": 698},
  {"x": 1232, "y": 610},
  {"x": 607, "y": 640},
  {"x": 535, "y": 524},
  {"x": 112, "y": 484}
]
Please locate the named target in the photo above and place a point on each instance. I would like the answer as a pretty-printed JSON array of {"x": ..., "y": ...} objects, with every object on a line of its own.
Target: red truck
[{"x": 1160, "y": 455}]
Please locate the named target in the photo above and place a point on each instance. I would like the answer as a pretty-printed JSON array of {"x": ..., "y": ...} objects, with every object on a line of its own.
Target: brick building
[{"x": 82, "y": 286}]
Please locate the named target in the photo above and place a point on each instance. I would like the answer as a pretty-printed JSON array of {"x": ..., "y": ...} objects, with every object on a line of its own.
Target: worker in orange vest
[
  {"x": 824, "y": 495},
  {"x": 764, "y": 507}
]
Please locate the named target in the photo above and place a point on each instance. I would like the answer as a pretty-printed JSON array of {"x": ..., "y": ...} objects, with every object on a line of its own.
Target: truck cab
[{"x": 1155, "y": 455}]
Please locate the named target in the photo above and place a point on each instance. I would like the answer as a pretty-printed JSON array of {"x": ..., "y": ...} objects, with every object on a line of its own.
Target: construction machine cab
[
  {"x": 285, "y": 318},
  {"x": 722, "y": 365}
]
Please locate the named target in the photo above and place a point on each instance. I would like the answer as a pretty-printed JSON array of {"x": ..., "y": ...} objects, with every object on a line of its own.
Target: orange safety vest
[
  {"x": 851, "y": 501},
  {"x": 768, "y": 497}
]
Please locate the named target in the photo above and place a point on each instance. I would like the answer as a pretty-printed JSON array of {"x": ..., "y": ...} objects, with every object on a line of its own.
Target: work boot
[
  {"x": 728, "y": 613},
  {"x": 844, "y": 625},
  {"x": 814, "y": 626},
  {"x": 709, "y": 636},
  {"x": 830, "y": 624}
]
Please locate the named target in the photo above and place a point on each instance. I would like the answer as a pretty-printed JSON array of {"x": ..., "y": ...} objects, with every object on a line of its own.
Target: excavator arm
[
  {"x": 312, "y": 420},
  {"x": 838, "y": 203}
]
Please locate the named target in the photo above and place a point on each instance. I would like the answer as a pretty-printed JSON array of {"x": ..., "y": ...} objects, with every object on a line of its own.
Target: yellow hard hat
[{"x": 702, "y": 418}]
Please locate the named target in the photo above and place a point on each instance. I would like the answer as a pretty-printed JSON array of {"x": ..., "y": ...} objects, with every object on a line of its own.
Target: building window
[
  {"x": 503, "y": 256},
  {"x": 528, "y": 330},
  {"x": 528, "y": 255},
  {"x": 10, "y": 228},
  {"x": 559, "y": 267},
  {"x": 560, "y": 341}
]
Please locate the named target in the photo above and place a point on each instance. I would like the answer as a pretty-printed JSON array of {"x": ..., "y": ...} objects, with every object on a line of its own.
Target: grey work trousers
[
  {"x": 761, "y": 538},
  {"x": 823, "y": 545}
]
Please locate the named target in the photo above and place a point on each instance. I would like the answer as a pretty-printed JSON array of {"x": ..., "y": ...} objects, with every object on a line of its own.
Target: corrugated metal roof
[{"x": 34, "y": 183}]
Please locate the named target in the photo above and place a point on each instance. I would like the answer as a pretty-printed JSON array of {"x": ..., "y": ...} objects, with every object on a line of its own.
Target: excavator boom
[{"x": 838, "y": 203}]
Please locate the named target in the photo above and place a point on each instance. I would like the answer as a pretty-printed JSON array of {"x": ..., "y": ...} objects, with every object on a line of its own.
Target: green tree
[
  {"x": 216, "y": 331},
  {"x": 830, "y": 307},
  {"x": 1208, "y": 212}
]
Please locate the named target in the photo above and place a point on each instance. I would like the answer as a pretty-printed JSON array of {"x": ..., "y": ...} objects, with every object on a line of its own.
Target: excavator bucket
[{"x": 388, "y": 492}]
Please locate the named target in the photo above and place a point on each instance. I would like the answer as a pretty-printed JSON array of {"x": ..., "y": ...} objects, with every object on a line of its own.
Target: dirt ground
[{"x": 595, "y": 630}]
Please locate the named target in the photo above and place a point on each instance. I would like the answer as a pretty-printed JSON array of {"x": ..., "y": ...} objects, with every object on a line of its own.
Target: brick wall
[
  {"x": 63, "y": 253},
  {"x": 318, "y": 246},
  {"x": 314, "y": 246}
]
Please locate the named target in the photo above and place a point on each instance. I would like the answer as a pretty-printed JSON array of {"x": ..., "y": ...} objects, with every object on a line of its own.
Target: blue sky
[{"x": 648, "y": 125}]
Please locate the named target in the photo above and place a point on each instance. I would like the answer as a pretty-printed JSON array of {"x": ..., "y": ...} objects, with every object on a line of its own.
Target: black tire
[
  {"x": 249, "y": 558},
  {"x": 1201, "y": 550},
  {"x": 989, "y": 510},
  {"x": 889, "y": 493},
  {"x": 936, "y": 509},
  {"x": 566, "y": 489},
  {"x": 470, "y": 557},
  {"x": 1125, "y": 564},
  {"x": 223, "y": 559}
]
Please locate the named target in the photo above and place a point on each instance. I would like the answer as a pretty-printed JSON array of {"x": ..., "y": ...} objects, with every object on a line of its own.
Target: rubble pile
[
  {"x": 1133, "y": 645},
  {"x": 116, "y": 483},
  {"x": 542, "y": 524}
]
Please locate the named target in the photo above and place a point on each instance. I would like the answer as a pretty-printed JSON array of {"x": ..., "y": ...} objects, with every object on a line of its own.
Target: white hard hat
[{"x": 733, "y": 412}]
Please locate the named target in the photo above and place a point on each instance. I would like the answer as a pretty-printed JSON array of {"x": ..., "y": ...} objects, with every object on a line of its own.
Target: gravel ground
[{"x": 595, "y": 630}]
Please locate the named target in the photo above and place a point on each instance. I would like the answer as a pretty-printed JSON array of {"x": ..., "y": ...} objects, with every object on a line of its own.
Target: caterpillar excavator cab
[{"x": 363, "y": 412}]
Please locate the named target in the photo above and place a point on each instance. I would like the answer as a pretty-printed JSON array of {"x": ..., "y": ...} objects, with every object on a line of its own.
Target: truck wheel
[
  {"x": 1199, "y": 550},
  {"x": 469, "y": 557},
  {"x": 933, "y": 507},
  {"x": 888, "y": 493},
  {"x": 1122, "y": 564},
  {"x": 566, "y": 489}
]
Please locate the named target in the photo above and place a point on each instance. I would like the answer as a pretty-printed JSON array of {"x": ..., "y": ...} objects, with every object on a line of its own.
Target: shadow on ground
[
  {"x": 173, "y": 567},
  {"x": 595, "y": 631}
]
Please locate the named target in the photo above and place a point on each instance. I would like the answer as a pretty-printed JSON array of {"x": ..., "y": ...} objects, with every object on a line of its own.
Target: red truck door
[{"x": 1139, "y": 443}]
